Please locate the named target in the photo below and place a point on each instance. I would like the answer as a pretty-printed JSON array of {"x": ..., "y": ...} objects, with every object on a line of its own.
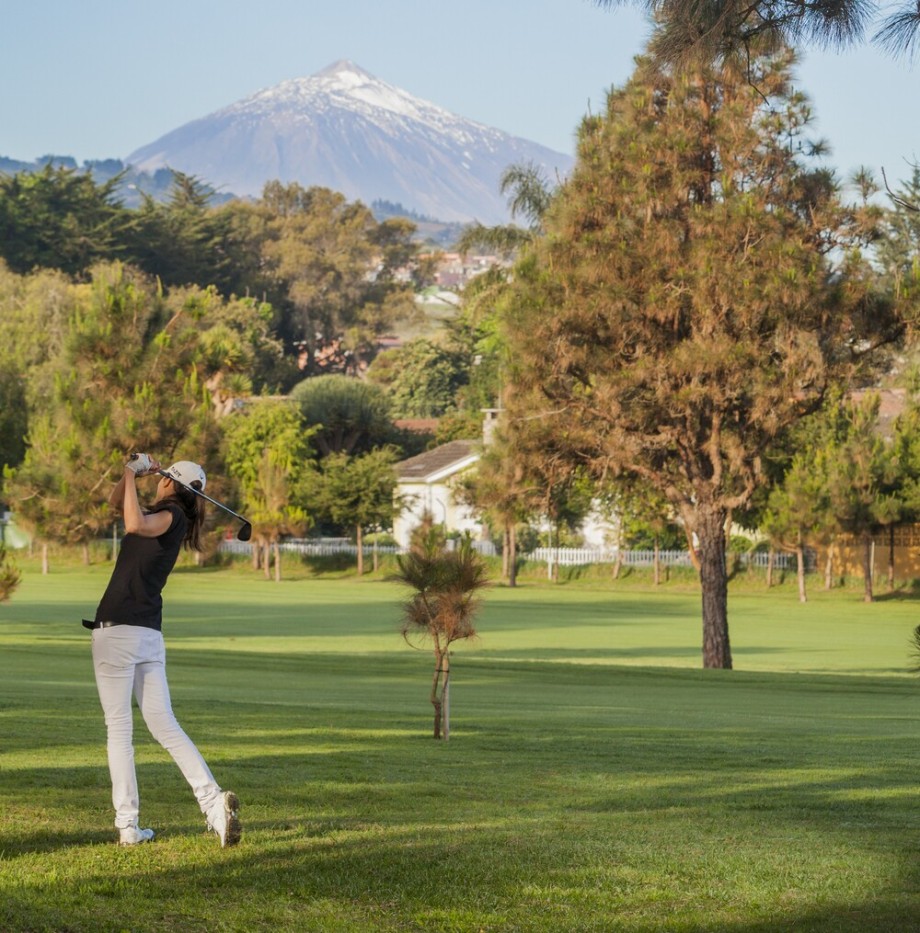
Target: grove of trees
[{"x": 685, "y": 333}]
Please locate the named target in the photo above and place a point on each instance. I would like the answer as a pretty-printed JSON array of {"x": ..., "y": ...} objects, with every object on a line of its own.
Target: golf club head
[{"x": 245, "y": 532}]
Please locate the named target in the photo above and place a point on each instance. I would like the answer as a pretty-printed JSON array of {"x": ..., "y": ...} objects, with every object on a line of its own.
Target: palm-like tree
[{"x": 529, "y": 194}]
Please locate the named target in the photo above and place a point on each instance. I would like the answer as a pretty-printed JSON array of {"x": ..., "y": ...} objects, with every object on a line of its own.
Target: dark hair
[{"x": 193, "y": 507}]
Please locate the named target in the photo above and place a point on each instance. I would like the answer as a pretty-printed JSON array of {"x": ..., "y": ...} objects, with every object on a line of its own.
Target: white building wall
[{"x": 438, "y": 499}]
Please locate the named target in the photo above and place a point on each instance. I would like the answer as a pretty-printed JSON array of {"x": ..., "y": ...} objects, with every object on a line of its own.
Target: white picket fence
[
  {"x": 564, "y": 557},
  {"x": 574, "y": 557},
  {"x": 322, "y": 548},
  {"x": 327, "y": 547}
]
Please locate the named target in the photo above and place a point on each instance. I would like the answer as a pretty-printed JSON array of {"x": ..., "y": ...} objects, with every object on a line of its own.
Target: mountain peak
[
  {"x": 344, "y": 67},
  {"x": 343, "y": 128}
]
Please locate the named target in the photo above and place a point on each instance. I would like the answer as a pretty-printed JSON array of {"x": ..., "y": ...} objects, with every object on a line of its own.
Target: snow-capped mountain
[{"x": 344, "y": 129}]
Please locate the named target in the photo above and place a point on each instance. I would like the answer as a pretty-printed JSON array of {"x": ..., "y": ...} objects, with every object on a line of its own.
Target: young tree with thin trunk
[
  {"x": 872, "y": 475},
  {"x": 906, "y": 452},
  {"x": 501, "y": 489},
  {"x": 360, "y": 493},
  {"x": 267, "y": 452},
  {"x": 642, "y": 516},
  {"x": 684, "y": 306},
  {"x": 443, "y": 605},
  {"x": 794, "y": 511}
]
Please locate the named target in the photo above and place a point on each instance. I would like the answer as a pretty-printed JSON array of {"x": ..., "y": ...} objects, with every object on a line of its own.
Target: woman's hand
[
  {"x": 142, "y": 465},
  {"x": 124, "y": 498}
]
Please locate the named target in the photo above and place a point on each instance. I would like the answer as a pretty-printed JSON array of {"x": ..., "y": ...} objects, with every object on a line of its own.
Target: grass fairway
[{"x": 596, "y": 778}]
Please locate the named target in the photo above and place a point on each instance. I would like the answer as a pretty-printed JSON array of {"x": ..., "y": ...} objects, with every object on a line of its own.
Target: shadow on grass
[
  {"x": 573, "y": 655},
  {"x": 326, "y": 877},
  {"x": 900, "y": 596}
]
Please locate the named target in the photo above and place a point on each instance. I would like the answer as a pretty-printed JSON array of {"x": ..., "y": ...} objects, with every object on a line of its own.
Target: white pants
[{"x": 132, "y": 659}]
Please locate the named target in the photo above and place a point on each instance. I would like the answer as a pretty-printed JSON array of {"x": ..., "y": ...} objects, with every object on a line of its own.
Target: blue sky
[{"x": 100, "y": 78}]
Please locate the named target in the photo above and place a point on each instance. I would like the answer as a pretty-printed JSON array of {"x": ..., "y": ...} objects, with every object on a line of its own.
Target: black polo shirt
[{"x": 143, "y": 565}]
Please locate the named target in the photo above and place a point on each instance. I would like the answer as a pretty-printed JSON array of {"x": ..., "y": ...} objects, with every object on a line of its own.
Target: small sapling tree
[{"x": 442, "y": 606}]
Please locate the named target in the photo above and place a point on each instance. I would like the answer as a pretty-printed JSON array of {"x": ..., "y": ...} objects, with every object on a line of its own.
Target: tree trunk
[
  {"x": 868, "y": 560},
  {"x": 618, "y": 561},
  {"x": 771, "y": 560},
  {"x": 359, "y": 536},
  {"x": 694, "y": 556},
  {"x": 85, "y": 549},
  {"x": 267, "y": 560},
  {"x": 445, "y": 696},
  {"x": 829, "y": 566},
  {"x": 556, "y": 555},
  {"x": 657, "y": 563},
  {"x": 277, "y": 549},
  {"x": 890, "y": 558},
  {"x": 512, "y": 555},
  {"x": 376, "y": 556},
  {"x": 714, "y": 581},
  {"x": 257, "y": 554},
  {"x": 800, "y": 570},
  {"x": 506, "y": 573},
  {"x": 44, "y": 557},
  {"x": 436, "y": 693}
]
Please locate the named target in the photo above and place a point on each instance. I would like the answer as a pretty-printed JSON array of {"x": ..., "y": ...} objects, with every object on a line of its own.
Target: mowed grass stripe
[
  {"x": 771, "y": 631},
  {"x": 611, "y": 795}
]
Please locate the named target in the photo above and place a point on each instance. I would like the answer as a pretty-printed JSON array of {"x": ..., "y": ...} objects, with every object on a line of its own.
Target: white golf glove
[{"x": 139, "y": 464}]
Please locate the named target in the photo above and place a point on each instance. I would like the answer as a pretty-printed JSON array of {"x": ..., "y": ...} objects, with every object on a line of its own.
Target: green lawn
[{"x": 596, "y": 778}]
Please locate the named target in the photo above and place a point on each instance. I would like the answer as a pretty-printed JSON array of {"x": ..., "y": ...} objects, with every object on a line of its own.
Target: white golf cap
[{"x": 187, "y": 473}]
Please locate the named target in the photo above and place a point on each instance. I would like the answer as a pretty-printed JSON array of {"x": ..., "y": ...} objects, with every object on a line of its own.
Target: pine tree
[
  {"x": 728, "y": 27},
  {"x": 682, "y": 309},
  {"x": 442, "y": 606}
]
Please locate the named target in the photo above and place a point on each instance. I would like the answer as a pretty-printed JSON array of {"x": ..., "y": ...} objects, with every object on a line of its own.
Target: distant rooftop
[{"x": 440, "y": 460}]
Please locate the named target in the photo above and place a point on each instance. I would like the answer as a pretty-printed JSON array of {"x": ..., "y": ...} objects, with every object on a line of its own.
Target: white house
[{"x": 425, "y": 483}]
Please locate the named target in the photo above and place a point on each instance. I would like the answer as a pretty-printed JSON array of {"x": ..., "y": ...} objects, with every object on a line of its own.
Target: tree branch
[{"x": 907, "y": 205}]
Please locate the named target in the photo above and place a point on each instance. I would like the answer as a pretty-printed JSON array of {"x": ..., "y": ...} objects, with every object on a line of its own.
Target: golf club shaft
[{"x": 198, "y": 492}]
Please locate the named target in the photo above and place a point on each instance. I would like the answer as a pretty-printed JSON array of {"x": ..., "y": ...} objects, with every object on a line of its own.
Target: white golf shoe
[
  {"x": 132, "y": 836},
  {"x": 223, "y": 819}
]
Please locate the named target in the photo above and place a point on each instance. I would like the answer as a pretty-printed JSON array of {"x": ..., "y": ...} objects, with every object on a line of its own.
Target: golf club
[{"x": 245, "y": 532}]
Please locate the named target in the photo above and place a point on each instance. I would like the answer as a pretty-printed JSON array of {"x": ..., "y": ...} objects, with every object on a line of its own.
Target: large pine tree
[{"x": 695, "y": 293}]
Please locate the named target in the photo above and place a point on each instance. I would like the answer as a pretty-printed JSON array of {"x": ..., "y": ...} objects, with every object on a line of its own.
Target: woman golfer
[{"x": 128, "y": 652}]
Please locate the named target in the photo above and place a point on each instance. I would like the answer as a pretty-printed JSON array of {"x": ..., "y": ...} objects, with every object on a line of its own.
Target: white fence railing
[
  {"x": 312, "y": 548},
  {"x": 573, "y": 557},
  {"x": 564, "y": 557},
  {"x": 327, "y": 547}
]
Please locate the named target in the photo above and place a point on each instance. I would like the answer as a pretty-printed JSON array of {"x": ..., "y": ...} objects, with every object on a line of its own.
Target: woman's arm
[
  {"x": 138, "y": 465},
  {"x": 138, "y": 522},
  {"x": 117, "y": 497}
]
